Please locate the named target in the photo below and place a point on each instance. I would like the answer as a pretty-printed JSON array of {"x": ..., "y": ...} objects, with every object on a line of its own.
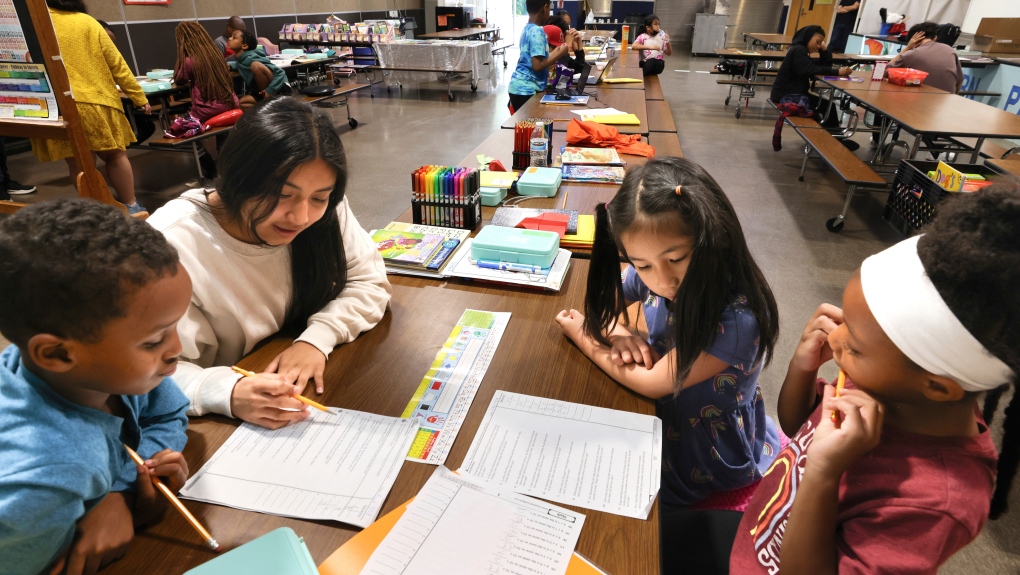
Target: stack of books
[{"x": 416, "y": 249}]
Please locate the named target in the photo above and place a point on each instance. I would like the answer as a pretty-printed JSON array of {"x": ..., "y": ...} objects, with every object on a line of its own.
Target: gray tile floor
[{"x": 782, "y": 217}]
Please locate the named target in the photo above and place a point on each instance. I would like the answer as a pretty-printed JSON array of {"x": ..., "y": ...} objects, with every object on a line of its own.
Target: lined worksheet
[
  {"x": 338, "y": 465},
  {"x": 457, "y": 526},
  {"x": 592, "y": 457}
]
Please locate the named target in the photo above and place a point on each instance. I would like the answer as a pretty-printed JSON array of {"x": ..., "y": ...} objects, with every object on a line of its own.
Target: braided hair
[
  {"x": 207, "y": 64},
  {"x": 971, "y": 252},
  {"x": 721, "y": 265}
]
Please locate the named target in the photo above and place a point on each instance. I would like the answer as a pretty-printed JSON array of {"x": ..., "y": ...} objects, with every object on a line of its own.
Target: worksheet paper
[
  {"x": 456, "y": 526},
  {"x": 337, "y": 466},
  {"x": 592, "y": 457}
]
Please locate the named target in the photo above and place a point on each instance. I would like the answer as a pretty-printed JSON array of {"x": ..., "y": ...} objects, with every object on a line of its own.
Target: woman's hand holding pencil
[{"x": 281, "y": 393}]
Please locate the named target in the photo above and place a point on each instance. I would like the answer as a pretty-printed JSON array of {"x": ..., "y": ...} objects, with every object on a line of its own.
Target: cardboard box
[{"x": 998, "y": 35}]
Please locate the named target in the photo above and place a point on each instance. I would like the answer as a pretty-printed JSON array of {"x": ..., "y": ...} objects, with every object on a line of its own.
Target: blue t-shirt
[
  {"x": 59, "y": 459},
  {"x": 717, "y": 436},
  {"x": 525, "y": 80}
]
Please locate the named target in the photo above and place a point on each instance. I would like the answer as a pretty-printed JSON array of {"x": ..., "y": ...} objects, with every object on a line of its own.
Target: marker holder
[{"x": 466, "y": 214}]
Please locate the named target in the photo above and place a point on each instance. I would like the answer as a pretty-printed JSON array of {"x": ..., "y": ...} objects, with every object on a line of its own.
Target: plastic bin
[{"x": 914, "y": 198}]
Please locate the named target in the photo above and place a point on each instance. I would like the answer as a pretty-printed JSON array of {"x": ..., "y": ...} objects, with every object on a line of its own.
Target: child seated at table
[
  {"x": 897, "y": 472},
  {"x": 261, "y": 77},
  {"x": 653, "y": 43},
  {"x": 91, "y": 300},
  {"x": 712, "y": 325},
  {"x": 273, "y": 247},
  {"x": 562, "y": 74},
  {"x": 530, "y": 76},
  {"x": 793, "y": 81}
]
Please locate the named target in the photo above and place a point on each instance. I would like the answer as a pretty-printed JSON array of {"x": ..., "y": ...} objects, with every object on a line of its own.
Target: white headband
[{"x": 916, "y": 319}]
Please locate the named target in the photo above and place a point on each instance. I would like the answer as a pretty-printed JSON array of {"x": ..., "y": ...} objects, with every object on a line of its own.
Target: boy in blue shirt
[
  {"x": 91, "y": 300},
  {"x": 530, "y": 75}
]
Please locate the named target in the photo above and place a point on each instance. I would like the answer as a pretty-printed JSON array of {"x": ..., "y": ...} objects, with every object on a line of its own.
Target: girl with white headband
[{"x": 896, "y": 473}]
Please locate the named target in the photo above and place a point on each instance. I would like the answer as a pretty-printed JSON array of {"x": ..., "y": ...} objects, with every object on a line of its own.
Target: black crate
[
  {"x": 466, "y": 215},
  {"x": 914, "y": 197}
]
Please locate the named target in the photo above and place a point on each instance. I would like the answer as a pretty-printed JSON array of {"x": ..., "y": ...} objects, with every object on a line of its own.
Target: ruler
[{"x": 444, "y": 396}]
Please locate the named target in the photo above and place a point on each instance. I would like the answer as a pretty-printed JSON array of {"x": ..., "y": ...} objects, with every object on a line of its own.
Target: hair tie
[{"x": 678, "y": 188}]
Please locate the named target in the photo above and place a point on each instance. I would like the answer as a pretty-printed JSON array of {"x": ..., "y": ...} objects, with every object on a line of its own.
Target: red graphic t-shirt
[{"x": 905, "y": 507}]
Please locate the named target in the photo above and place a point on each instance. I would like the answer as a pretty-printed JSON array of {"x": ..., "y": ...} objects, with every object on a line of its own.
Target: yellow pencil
[
  {"x": 300, "y": 398},
  {"x": 565, "y": 194},
  {"x": 840, "y": 382},
  {"x": 162, "y": 488}
]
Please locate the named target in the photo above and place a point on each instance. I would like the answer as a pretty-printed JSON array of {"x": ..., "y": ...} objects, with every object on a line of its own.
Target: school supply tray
[
  {"x": 914, "y": 198},
  {"x": 446, "y": 196}
]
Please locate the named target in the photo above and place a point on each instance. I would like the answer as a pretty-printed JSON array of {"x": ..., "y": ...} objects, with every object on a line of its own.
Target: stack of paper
[
  {"x": 607, "y": 116},
  {"x": 458, "y": 526}
]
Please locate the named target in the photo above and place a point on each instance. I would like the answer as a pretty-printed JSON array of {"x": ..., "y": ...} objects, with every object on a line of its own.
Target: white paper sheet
[
  {"x": 588, "y": 112},
  {"x": 337, "y": 466},
  {"x": 592, "y": 457},
  {"x": 456, "y": 526}
]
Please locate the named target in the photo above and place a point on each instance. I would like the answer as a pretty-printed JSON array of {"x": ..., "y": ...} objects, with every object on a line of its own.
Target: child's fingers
[
  {"x": 274, "y": 365},
  {"x": 646, "y": 355},
  {"x": 75, "y": 561},
  {"x": 272, "y": 387},
  {"x": 319, "y": 384},
  {"x": 61, "y": 562}
]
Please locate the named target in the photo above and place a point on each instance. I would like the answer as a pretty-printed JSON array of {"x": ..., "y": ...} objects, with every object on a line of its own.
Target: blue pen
[{"x": 509, "y": 267}]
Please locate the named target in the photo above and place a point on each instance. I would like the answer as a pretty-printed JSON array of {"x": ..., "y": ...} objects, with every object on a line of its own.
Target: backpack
[
  {"x": 731, "y": 67},
  {"x": 184, "y": 126}
]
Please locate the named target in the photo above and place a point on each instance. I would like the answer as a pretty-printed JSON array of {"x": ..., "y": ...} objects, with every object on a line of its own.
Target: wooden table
[
  {"x": 378, "y": 373},
  {"x": 769, "y": 41},
  {"x": 869, "y": 85},
  {"x": 943, "y": 115},
  {"x": 627, "y": 101},
  {"x": 462, "y": 34}
]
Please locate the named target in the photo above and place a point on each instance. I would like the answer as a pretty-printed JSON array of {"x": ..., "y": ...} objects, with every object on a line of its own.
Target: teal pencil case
[
  {"x": 150, "y": 86},
  {"x": 516, "y": 245},
  {"x": 539, "y": 182},
  {"x": 279, "y": 552},
  {"x": 160, "y": 74}
]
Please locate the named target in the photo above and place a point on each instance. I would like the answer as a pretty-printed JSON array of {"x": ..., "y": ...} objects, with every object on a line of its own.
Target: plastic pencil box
[
  {"x": 159, "y": 74},
  {"x": 516, "y": 245},
  {"x": 539, "y": 182},
  {"x": 150, "y": 86}
]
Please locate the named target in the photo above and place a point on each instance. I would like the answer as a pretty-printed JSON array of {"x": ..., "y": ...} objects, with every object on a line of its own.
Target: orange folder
[{"x": 352, "y": 556}]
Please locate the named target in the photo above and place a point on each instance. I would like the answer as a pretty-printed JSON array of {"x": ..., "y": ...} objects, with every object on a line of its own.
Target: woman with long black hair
[{"x": 273, "y": 247}]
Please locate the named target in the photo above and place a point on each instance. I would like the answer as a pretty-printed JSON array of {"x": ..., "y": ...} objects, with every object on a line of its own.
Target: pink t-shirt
[
  {"x": 646, "y": 40},
  {"x": 905, "y": 507}
]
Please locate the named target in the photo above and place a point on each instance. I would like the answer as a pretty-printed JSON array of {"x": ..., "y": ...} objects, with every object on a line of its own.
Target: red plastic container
[{"x": 906, "y": 76}]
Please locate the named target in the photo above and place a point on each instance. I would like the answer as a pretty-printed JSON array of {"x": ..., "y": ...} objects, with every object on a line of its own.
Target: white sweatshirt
[{"x": 240, "y": 294}]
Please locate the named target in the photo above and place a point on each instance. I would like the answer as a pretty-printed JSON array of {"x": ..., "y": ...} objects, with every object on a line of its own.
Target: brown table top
[
  {"x": 457, "y": 34},
  {"x": 772, "y": 39},
  {"x": 869, "y": 85},
  {"x": 653, "y": 88},
  {"x": 627, "y": 101},
  {"x": 778, "y": 55},
  {"x": 665, "y": 144},
  {"x": 943, "y": 114},
  {"x": 378, "y": 373}
]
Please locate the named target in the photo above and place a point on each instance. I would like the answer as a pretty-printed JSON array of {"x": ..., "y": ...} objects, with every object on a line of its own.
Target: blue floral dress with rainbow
[{"x": 716, "y": 434}]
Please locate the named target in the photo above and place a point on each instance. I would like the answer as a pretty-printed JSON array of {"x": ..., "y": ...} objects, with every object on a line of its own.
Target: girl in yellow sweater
[{"x": 95, "y": 68}]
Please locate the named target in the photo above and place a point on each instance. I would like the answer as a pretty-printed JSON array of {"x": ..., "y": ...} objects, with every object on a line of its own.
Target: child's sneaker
[
  {"x": 16, "y": 189},
  {"x": 136, "y": 208}
]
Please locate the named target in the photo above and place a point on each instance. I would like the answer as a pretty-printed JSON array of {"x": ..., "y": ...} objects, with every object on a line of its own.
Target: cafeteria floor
[{"x": 783, "y": 219}]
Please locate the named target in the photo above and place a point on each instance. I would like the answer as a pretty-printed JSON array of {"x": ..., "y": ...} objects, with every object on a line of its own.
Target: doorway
[{"x": 808, "y": 12}]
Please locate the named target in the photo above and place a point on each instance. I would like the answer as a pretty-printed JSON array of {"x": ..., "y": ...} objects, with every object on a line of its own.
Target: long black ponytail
[
  {"x": 971, "y": 252},
  {"x": 721, "y": 265}
]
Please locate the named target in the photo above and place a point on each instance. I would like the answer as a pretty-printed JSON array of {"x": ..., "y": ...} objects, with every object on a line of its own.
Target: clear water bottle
[{"x": 539, "y": 147}]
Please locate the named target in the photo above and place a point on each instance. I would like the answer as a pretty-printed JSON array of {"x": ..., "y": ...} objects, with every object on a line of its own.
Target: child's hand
[
  {"x": 101, "y": 537},
  {"x": 837, "y": 444},
  {"x": 632, "y": 349},
  {"x": 813, "y": 349},
  {"x": 572, "y": 324},
  {"x": 173, "y": 469},
  {"x": 300, "y": 363},
  {"x": 266, "y": 400}
]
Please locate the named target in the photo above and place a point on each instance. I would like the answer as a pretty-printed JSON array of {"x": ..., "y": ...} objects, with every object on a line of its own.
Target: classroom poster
[
  {"x": 13, "y": 46},
  {"x": 26, "y": 92}
]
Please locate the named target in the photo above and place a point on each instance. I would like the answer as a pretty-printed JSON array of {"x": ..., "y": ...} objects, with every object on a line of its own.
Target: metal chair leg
[
  {"x": 836, "y": 224},
  {"x": 803, "y": 166}
]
